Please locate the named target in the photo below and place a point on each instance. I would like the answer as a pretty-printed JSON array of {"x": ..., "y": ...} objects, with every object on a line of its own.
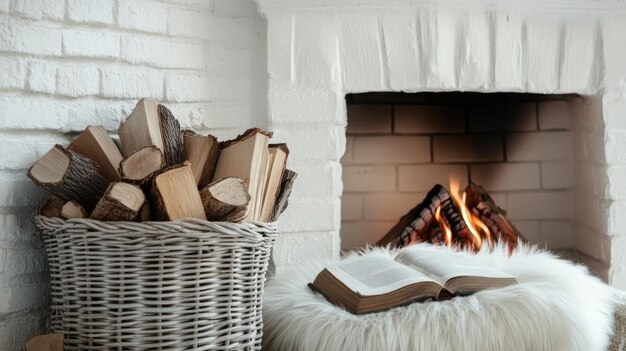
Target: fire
[
  {"x": 447, "y": 232},
  {"x": 477, "y": 228}
]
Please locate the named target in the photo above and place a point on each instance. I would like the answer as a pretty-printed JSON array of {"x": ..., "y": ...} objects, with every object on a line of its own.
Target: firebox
[{"x": 519, "y": 147}]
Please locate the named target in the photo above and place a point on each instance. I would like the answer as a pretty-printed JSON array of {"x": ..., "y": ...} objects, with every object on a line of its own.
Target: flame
[
  {"x": 447, "y": 232},
  {"x": 477, "y": 228}
]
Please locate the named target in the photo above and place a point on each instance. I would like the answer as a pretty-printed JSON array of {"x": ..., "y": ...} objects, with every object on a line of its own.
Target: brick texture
[
  {"x": 67, "y": 64},
  {"x": 503, "y": 117},
  {"x": 554, "y": 115},
  {"x": 396, "y": 149},
  {"x": 467, "y": 148},
  {"x": 424, "y": 177},
  {"x": 369, "y": 119},
  {"x": 467, "y": 135},
  {"x": 427, "y": 119},
  {"x": 507, "y": 176}
]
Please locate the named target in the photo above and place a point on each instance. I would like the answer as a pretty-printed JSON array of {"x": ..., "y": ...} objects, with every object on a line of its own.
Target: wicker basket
[{"x": 188, "y": 284}]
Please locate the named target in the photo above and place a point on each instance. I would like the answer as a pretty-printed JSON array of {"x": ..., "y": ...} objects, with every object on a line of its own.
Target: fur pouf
[{"x": 556, "y": 306}]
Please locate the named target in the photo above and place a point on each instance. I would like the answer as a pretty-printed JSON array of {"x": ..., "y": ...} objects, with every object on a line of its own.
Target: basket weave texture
[{"x": 189, "y": 284}]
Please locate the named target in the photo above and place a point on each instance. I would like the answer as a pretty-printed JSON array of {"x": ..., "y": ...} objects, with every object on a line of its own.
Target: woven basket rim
[
  {"x": 182, "y": 220},
  {"x": 191, "y": 227}
]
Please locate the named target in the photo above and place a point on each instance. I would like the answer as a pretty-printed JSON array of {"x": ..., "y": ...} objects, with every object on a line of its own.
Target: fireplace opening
[{"x": 518, "y": 147}]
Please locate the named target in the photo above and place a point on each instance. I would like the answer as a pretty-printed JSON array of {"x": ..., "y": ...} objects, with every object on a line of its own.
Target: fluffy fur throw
[{"x": 556, "y": 306}]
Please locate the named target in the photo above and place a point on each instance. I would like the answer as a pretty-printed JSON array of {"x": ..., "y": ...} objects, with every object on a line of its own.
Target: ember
[{"x": 466, "y": 220}]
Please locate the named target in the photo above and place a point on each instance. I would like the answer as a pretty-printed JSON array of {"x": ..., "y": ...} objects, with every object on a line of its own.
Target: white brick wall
[
  {"x": 387, "y": 174},
  {"x": 66, "y": 64}
]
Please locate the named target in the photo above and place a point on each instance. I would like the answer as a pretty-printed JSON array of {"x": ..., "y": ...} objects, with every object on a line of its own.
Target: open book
[{"x": 376, "y": 282}]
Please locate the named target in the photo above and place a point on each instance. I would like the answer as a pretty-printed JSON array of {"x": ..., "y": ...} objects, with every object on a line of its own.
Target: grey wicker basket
[{"x": 189, "y": 284}]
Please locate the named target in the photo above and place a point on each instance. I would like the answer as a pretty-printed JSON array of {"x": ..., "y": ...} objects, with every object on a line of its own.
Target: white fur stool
[{"x": 556, "y": 306}]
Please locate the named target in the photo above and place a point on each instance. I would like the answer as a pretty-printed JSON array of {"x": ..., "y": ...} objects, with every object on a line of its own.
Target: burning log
[
  {"x": 483, "y": 206},
  {"x": 420, "y": 224},
  {"x": 463, "y": 221}
]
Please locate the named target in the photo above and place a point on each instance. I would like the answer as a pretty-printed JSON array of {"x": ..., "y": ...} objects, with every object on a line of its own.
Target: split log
[
  {"x": 151, "y": 123},
  {"x": 73, "y": 209},
  {"x": 145, "y": 213},
  {"x": 172, "y": 139},
  {"x": 96, "y": 144},
  {"x": 174, "y": 194},
  {"x": 139, "y": 167},
  {"x": 225, "y": 200},
  {"x": 282, "y": 200},
  {"x": 246, "y": 157},
  {"x": 483, "y": 206},
  {"x": 203, "y": 153},
  {"x": 52, "y": 207},
  {"x": 47, "y": 342},
  {"x": 121, "y": 202},
  {"x": 69, "y": 176},
  {"x": 276, "y": 165},
  {"x": 245, "y": 135}
]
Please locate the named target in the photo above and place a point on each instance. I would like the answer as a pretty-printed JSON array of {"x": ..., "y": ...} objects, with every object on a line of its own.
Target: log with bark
[
  {"x": 483, "y": 206},
  {"x": 172, "y": 139},
  {"x": 174, "y": 195},
  {"x": 145, "y": 213},
  {"x": 225, "y": 200},
  {"x": 151, "y": 123},
  {"x": 52, "y": 207},
  {"x": 73, "y": 209},
  {"x": 69, "y": 176},
  {"x": 282, "y": 200},
  {"x": 139, "y": 167},
  {"x": 419, "y": 224},
  {"x": 202, "y": 152},
  {"x": 121, "y": 202},
  {"x": 96, "y": 144}
]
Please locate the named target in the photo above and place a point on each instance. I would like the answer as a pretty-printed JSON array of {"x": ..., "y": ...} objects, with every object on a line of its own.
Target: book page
[
  {"x": 369, "y": 276},
  {"x": 441, "y": 265}
]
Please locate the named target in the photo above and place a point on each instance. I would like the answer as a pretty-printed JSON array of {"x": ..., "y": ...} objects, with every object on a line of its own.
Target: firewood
[
  {"x": 69, "y": 176},
  {"x": 47, "y": 342},
  {"x": 121, "y": 202},
  {"x": 203, "y": 153},
  {"x": 151, "y": 123},
  {"x": 246, "y": 157},
  {"x": 482, "y": 205},
  {"x": 282, "y": 200},
  {"x": 141, "y": 165},
  {"x": 225, "y": 200},
  {"x": 52, "y": 207},
  {"x": 174, "y": 194},
  {"x": 417, "y": 224},
  {"x": 95, "y": 144},
  {"x": 145, "y": 213},
  {"x": 276, "y": 165},
  {"x": 73, "y": 209}
]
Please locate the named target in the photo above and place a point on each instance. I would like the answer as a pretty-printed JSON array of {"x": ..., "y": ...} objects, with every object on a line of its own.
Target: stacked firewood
[
  {"x": 159, "y": 172},
  {"x": 438, "y": 219}
]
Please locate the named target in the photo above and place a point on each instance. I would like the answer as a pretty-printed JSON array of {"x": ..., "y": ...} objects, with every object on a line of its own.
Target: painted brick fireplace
[{"x": 319, "y": 51}]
